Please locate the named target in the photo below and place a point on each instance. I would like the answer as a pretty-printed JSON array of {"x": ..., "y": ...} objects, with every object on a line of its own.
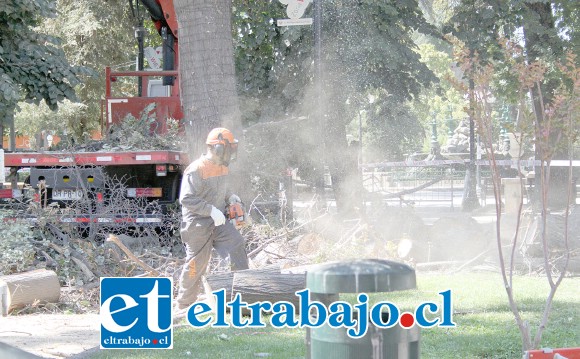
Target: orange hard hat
[{"x": 220, "y": 135}]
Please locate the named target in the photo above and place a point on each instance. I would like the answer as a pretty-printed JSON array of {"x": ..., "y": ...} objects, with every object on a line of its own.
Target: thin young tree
[{"x": 559, "y": 116}]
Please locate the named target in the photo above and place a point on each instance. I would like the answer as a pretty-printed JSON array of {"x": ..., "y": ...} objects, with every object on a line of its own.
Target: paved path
[{"x": 51, "y": 335}]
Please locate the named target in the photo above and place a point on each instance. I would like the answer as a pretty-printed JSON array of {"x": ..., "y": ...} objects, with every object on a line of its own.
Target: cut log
[
  {"x": 271, "y": 287},
  {"x": 299, "y": 269},
  {"x": 3, "y": 299},
  {"x": 219, "y": 281},
  {"x": 30, "y": 287},
  {"x": 225, "y": 280},
  {"x": 265, "y": 284}
]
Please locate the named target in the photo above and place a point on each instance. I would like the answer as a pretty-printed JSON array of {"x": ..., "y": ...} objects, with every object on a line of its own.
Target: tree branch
[{"x": 114, "y": 239}]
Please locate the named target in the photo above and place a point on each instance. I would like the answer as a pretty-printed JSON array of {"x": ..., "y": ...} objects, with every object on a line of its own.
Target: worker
[{"x": 204, "y": 195}]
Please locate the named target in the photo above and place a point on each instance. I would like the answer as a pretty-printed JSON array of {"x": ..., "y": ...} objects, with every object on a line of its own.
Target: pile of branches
[
  {"x": 133, "y": 134},
  {"x": 562, "y": 248},
  {"x": 81, "y": 257}
]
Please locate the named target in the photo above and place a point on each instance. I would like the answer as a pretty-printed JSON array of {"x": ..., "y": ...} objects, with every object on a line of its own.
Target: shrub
[{"x": 16, "y": 250}]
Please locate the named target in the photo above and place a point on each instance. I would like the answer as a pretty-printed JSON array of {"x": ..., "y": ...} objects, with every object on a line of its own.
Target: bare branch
[{"x": 140, "y": 263}]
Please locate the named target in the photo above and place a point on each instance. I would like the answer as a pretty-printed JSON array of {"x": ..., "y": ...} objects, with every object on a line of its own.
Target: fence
[
  {"x": 421, "y": 182},
  {"x": 414, "y": 185}
]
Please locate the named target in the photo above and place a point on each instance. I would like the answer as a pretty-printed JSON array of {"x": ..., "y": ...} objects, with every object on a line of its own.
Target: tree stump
[{"x": 27, "y": 288}]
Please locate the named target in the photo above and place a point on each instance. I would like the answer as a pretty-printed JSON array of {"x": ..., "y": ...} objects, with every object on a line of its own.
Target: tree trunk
[
  {"x": 343, "y": 164},
  {"x": 260, "y": 287},
  {"x": 7, "y": 124},
  {"x": 537, "y": 26},
  {"x": 28, "y": 288},
  {"x": 225, "y": 280},
  {"x": 206, "y": 70}
]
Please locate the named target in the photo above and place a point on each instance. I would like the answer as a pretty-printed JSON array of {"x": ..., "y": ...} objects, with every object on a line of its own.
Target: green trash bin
[{"x": 361, "y": 276}]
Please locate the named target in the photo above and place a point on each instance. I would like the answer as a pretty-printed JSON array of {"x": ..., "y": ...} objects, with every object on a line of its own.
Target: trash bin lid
[{"x": 360, "y": 275}]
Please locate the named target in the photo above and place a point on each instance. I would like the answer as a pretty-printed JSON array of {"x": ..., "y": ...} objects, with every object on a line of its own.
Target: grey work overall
[{"x": 204, "y": 185}]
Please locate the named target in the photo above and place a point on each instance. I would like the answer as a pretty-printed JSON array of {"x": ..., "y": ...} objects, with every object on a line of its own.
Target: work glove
[
  {"x": 234, "y": 199},
  {"x": 217, "y": 216}
]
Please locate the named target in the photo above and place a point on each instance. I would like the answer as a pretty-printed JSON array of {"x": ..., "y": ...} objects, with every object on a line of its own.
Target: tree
[
  {"x": 547, "y": 29},
  {"x": 207, "y": 73},
  {"x": 32, "y": 65},
  {"x": 442, "y": 103},
  {"x": 521, "y": 54},
  {"x": 390, "y": 122},
  {"x": 366, "y": 47},
  {"x": 548, "y": 231},
  {"x": 93, "y": 34}
]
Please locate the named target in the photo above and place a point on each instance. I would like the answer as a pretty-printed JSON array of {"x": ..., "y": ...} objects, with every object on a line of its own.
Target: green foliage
[
  {"x": 16, "y": 250},
  {"x": 389, "y": 122},
  {"x": 437, "y": 12},
  {"x": 143, "y": 133},
  {"x": 31, "y": 119},
  {"x": 366, "y": 46},
  {"x": 256, "y": 35},
  {"x": 510, "y": 79},
  {"x": 32, "y": 64},
  {"x": 370, "y": 43},
  {"x": 93, "y": 34},
  {"x": 567, "y": 15},
  {"x": 269, "y": 60},
  {"x": 444, "y": 103},
  {"x": 546, "y": 30}
]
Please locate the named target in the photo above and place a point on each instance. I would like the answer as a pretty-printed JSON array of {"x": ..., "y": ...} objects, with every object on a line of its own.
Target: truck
[{"x": 60, "y": 180}]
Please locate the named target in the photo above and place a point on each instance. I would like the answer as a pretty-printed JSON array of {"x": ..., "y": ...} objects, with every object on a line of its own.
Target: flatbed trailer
[
  {"x": 125, "y": 186},
  {"x": 61, "y": 180},
  {"x": 99, "y": 158}
]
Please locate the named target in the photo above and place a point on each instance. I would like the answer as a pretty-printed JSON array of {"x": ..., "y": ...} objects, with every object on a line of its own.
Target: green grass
[{"x": 485, "y": 326}]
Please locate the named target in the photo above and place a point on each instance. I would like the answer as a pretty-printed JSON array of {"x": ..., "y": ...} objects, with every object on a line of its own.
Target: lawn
[{"x": 485, "y": 326}]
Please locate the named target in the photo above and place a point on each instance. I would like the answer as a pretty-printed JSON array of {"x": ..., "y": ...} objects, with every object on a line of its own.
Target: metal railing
[{"x": 415, "y": 185}]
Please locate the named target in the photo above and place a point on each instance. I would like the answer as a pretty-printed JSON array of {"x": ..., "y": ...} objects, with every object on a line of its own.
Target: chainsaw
[{"x": 235, "y": 214}]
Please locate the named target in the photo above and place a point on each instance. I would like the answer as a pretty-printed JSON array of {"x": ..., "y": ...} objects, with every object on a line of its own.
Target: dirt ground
[{"x": 51, "y": 335}]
